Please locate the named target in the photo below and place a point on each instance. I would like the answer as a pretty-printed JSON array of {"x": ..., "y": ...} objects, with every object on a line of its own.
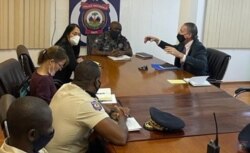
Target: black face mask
[
  {"x": 42, "y": 141},
  {"x": 180, "y": 38},
  {"x": 98, "y": 86},
  {"x": 92, "y": 94},
  {"x": 115, "y": 34}
]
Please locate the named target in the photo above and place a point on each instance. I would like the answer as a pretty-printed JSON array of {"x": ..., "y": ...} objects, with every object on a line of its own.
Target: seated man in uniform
[
  {"x": 112, "y": 42},
  {"x": 77, "y": 113},
  {"x": 29, "y": 122}
]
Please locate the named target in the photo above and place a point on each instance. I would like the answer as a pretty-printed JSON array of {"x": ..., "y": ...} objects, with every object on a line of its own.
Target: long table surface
[
  {"x": 140, "y": 90},
  {"x": 124, "y": 78},
  {"x": 195, "y": 144},
  {"x": 196, "y": 110}
]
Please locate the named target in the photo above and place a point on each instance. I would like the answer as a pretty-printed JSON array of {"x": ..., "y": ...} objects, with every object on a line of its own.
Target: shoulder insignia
[{"x": 96, "y": 105}]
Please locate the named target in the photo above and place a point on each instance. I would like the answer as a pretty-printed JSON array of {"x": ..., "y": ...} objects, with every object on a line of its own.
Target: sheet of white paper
[
  {"x": 120, "y": 58},
  {"x": 132, "y": 124},
  {"x": 104, "y": 91}
]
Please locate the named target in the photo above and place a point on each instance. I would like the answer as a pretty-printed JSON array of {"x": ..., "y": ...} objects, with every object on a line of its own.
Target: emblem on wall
[{"x": 93, "y": 16}]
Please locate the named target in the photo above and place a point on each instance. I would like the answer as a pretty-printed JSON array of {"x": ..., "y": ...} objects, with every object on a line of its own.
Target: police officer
[{"x": 112, "y": 42}]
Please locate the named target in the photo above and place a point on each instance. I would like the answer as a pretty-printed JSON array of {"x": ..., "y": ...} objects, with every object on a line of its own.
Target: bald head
[
  {"x": 28, "y": 113},
  {"x": 85, "y": 72}
]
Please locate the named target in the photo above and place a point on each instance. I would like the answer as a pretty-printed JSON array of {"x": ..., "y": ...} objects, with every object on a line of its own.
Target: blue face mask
[{"x": 42, "y": 141}]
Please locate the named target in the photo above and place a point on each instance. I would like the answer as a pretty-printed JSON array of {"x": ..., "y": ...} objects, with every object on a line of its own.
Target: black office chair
[
  {"x": 25, "y": 60},
  {"x": 1, "y": 89},
  {"x": 5, "y": 102},
  {"x": 90, "y": 40},
  {"x": 12, "y": 77},
  {"x": 241, "y": 90},
  {"x": 28, "y": 68},
  {"x": 217, "y": 65}
]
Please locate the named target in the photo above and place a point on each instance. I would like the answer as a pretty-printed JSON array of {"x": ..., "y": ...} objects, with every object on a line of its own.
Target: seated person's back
[{"x": 78, "y": 113}]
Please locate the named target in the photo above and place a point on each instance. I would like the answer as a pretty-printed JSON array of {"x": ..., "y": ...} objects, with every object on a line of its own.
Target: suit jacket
[{"x": 196, "y": 60}]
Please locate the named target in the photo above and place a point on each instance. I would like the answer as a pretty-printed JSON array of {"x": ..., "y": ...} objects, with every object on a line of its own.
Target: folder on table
[{"x": 165, "y": 66}]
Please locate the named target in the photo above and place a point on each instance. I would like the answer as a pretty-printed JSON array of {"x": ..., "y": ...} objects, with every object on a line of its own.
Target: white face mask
[
  {"x": 74, "y": 40},
  {"x": 52, "y": 70}
]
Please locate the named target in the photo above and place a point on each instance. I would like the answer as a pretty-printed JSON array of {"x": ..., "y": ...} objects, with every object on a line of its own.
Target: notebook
[
  {"x": 105, "y": 97},
  {"x": 132, "y": 124}
]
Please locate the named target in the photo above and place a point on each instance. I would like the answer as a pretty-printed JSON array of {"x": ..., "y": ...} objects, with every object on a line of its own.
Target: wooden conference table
[{"x": 140, "y": 90}]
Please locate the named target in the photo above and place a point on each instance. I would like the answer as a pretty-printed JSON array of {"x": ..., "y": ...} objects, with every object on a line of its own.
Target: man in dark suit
[{"x": 190, "y": 54}]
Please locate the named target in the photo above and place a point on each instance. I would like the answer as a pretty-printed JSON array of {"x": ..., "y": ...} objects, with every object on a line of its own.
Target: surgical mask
[
  {"x": 74, "y": 40},
  {"x": 52, "y": 70},
  {"x": 180, "y": 38},
  {"x": 42, "y": 141},
  {"x": 115, "y": 34}
]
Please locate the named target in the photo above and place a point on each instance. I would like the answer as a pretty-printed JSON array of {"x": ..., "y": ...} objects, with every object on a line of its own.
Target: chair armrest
[{"x": 241, "y": 90}]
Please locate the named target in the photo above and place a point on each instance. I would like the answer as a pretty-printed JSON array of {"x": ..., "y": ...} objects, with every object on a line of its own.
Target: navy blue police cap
[
  {"x": 163, "y": 121},
  {"x": 244, "y": 138}
]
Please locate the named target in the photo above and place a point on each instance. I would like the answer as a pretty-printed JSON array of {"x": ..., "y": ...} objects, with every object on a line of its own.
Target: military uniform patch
[{"x": 96, "y": 105}]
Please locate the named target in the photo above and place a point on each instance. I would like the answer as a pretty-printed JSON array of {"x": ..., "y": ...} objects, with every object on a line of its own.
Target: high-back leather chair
[
  {"x": 11, "y": 77},
  {"x": 1, "y": 89},
  {"x": 90, "y": 40},
  {"x": 25, "y": 60},
  {"x": 5, "y": 102},
  {"x": 217, "y": 65}
]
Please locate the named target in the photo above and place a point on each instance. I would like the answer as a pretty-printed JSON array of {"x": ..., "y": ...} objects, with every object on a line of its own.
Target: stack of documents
[
  {"x": 120, "y": 58},
  {"x": 132, "y": 124},
  {"x": 198, "y": 81},
  {"x": 105, "y": 97}
]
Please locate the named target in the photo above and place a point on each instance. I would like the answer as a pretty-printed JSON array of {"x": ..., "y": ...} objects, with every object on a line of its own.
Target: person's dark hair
[
  {"x": 55, "y": 52},
  {"x": 85, "y": 72},
  {"x": 64, "y": 37},
  {"x": 27, "y": 113},
  {"x": 67, "y": 31},
  {"x": 192, "y": 28}
]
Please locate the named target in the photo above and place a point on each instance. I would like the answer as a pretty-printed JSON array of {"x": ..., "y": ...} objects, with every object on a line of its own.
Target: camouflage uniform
[{"x": 105, "y": 43}]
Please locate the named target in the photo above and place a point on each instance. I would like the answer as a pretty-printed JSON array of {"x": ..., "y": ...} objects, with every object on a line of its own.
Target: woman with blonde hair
[{"x": 50, "y": 61}]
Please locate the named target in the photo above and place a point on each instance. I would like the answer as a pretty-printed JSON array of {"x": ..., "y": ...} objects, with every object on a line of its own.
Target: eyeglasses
[{"x": 61, "y": 66}]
